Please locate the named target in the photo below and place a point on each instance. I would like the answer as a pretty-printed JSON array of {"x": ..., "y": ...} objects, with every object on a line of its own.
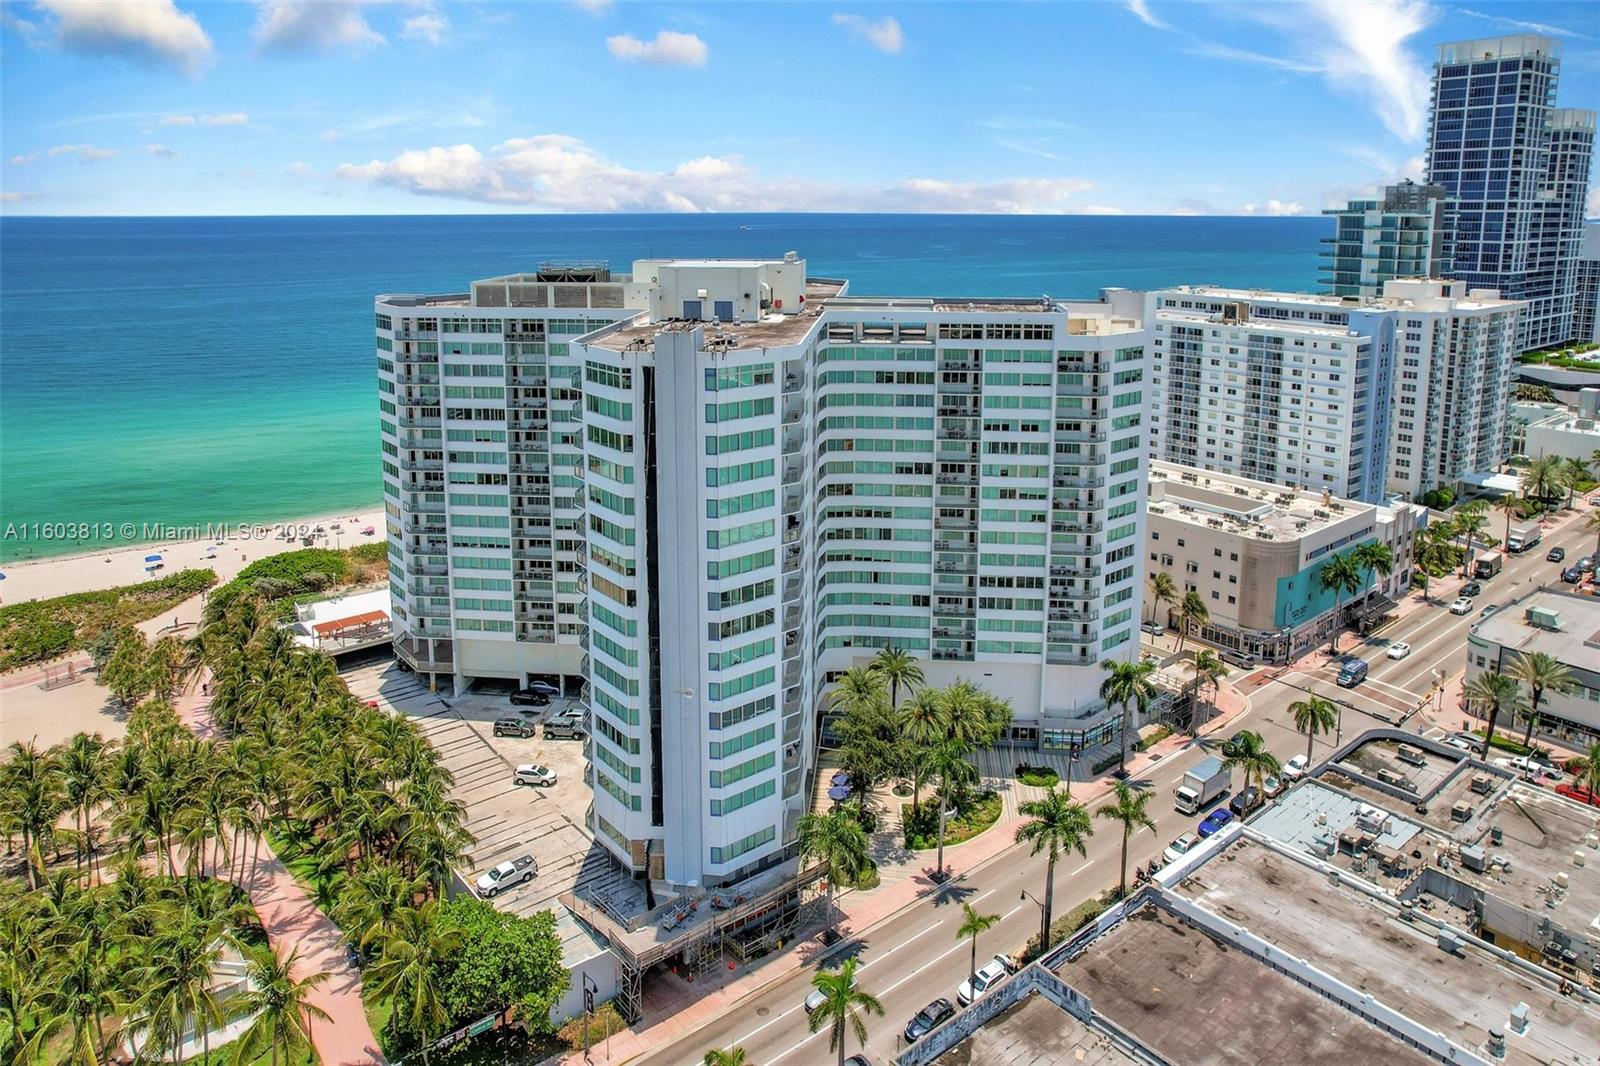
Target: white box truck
[
  {"x": 1201, "y": 784},
  {"x": 1523, "y": 537}
]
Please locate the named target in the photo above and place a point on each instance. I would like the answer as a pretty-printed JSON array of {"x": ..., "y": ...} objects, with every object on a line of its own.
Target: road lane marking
[{"x": 1082, "y": 868}]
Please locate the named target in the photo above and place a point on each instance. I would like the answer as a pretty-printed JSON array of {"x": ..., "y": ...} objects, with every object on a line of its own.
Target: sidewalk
[
  {"x": 292, "y": 921},
  {"x": 677, "y": 1007}
]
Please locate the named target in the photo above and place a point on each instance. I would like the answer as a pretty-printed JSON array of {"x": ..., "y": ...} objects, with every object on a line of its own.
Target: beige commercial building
[{"x": 1254, "y": 551}]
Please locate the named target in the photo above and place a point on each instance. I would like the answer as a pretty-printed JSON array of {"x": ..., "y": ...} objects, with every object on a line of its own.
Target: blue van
[{"x": 1352, "y": 673}]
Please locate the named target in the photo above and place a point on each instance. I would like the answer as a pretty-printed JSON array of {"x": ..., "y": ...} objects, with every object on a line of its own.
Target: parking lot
[{"x": 506, "y": 820}]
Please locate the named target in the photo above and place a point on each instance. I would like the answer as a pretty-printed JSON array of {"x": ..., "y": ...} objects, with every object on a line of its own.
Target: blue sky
[{"x": 1144, "y": 107}]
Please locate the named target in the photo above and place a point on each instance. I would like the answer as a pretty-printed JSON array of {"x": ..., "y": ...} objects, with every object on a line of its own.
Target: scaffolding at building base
[{"x": 747, "y": 930}]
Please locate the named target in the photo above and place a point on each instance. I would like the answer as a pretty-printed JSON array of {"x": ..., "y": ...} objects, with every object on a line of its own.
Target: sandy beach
[{"x": 84, "y": 572}]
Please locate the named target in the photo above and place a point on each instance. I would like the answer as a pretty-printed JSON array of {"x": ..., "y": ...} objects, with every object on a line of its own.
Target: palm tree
[
  {"x": 1055, "y": 825},
  {"x": 842, "y": 1006},
  {"x": 1588, "y": 769},
  {"x": 972, "y": 924},
  {"x": 1468, "y": 524},
  {"x": 177, "y": 992},
  {"x": 859, "y": 688},
  {"x": 1510, "y": 506},
  {"x": 1343, "y": 577},
  {"x": 719, "y": 1057},
  {"x": 1127, "y": 686},
  {"x": 898, "y": 667},
  {"x": 409, "y": 967},
  {"x": 1498, "y": 693},
  {"x": 374, "y": 899},
  {"x": 836, "y": 839},
  {"x": 922, "y": 722},
  {"x": 31, "y": 790},
  {"x": 1373, "y": 558},
  {"x": 1541, "y": 476},
  {"x": 85, "y": 770},
  {"x": 1541, "y": 672},
  {"x": 281, "y": 1004},
  {"x": 1592, "y": 523},
  {"x": 1127, "y": 807},
  {"x": 1313, "y": 716},
  {"x": 1209, "y": 670},
  {"x": 1162, "y": 590},
  {"x": 1431, "y": 551},
  {"x": 1574, "y": 475},
  {"x": 1191, "y": 611},
  {"x": 80, "y": 994},
  {"x": 948, "y": 762},
  {"x": 1251, "y": 755}
]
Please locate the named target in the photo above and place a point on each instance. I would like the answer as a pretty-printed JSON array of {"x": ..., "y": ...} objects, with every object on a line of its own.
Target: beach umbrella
[
  {"x": 152, "y": 558},
  {"x": 840, "y": 778},
  {"x": 838, "y": 792}
]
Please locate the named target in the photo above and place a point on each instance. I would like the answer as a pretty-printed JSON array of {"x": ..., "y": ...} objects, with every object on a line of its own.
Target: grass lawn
[
  {"x": 1038, "y": 776},
  {"x": 37, "y": 630}
]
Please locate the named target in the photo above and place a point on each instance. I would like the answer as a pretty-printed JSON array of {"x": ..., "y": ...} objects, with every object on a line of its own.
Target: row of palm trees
[
  {"x": 131, "y": 961},
  {"x": 360, "y": 793}
]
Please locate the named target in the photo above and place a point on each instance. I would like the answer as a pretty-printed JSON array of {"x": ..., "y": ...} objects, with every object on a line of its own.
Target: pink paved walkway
[
  {"x": 293, "y": 921},
  {"x": 678, "y": 1008}
]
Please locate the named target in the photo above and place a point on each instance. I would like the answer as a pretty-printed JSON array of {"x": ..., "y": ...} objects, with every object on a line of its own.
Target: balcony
[
  {"x": 420, "y": 422},
  {"x": 1073, "y": 614},
  {"x": 952, "y": 610},
  {"x": 1073, "y": 481},
  {"x": 416, "y": 379},
  {"x": 1079, "y": 435},
  {"x": 1080, "y": 526},
  {"x": 533, "y": 552},
  {"x": 944, "y": 522}
]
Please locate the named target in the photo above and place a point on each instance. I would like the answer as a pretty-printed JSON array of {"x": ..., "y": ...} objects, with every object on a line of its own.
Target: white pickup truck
[{"x": 507, "y": 874}]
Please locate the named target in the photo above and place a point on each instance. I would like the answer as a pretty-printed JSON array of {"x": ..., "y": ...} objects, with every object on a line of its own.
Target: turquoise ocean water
[{"x": 194, "y": 370}]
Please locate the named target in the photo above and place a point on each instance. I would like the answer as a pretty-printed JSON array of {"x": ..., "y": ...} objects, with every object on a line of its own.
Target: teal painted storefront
[{"x": 1301, "y": 597}]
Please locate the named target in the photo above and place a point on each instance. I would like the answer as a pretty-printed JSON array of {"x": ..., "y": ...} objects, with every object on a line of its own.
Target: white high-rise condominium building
[
  {"x": 1287, "y": 388},
  {"x": 1517, "y": 169},
  {"x": 1455, "y": 352},
  {"x": 769, "y": 481},
  {"x": 1586, "y": 299},
  {"x": 1363, "y": 397}
]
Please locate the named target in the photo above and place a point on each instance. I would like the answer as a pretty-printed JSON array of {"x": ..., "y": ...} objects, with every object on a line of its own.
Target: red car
[{"x": 1579, "y": 793}]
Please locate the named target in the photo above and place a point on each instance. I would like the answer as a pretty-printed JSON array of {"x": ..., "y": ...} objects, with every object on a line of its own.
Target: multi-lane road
[{"x": 914, "y": 956}]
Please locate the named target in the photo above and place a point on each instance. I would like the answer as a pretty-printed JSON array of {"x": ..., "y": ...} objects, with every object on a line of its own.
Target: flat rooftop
[
  {"x": 1189, "y": 997},
  {"x": 1541, "y": 833},
  {"x": 1316, "y": 820},
  {"x": 1576, "y": 643},
  {"x": 1364, "y": 943},
  {"x": 1035, "y": 1032},
  {"x": 1199, "y": 497}
]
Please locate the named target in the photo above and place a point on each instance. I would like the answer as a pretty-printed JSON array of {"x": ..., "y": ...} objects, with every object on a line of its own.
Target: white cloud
[
  {"x": 300, "y": 169},
  {"x": 1141, "y": 11},
  {"x": 1527, "y": 27},
  {"x": 160, "y": 151},
  {"x": 427, "y": 26},
  {"x": 24, "y": 160},
  {"x": 86, "y": 153},
  {"x": 177, "y": 120},
  {"x": 150, "y": 31},
  {"x": 596, "y": 7},
  {"x": 1357, "y": 46},
  {"x": 554, "y": 172},
  {"x": 1275, "y": 208},
  {"x": 669, "y": 49},
  {"x": 883, "y": 34},
  {"x": 231, "y": 118},
  {"x": 1591, "y": 207},
  {"x": 308, "y": 25}
]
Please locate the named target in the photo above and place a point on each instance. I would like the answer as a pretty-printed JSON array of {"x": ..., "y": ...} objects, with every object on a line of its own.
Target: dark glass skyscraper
[{"x": 1518, "y": 171}]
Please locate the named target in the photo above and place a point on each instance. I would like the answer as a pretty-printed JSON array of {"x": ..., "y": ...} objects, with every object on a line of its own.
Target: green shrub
[
  {"x": 1064, "y": 925},
  {"x": 43, "y": 629},
  {"x": 1105, "y": 764},
  {"x": 1038, "y": 776},
  {"x": 1507, "y": 742},
  {"x": 1156, "y": 736},
  {"x": 972, "y": 817},
  {"x": 293, "y": 567}
]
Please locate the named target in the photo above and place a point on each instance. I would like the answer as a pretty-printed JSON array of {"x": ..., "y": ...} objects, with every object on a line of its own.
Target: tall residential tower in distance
[
  {"x": 1401, "y": 234},
  {"x": 704, "y": 507},
  {"x": 1517, "y": 169}
]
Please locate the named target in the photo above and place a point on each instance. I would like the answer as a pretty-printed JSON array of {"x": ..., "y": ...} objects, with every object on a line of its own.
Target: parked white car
[
  {"x": 816, "y": 999},
  {"x": 1528, "y": 766},
  {"x": 1398, "y": 650},
  {"x": 1295, "y": 768},
  {"x": 1179, "y": 848},
  {"x": 1463, "y": 605},
  {"x": 1466, "y": 744},
  {"x": 989, "y": 974},
  {"x": 533, "y": 774}
]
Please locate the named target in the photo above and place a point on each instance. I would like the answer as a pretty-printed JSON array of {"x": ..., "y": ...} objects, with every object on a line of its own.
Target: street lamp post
[{"x": 1026, "y": 896}]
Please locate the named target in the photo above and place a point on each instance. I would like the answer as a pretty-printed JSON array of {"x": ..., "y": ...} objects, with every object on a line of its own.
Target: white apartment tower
[
  {"x": 1286, "y": 388},
  {"x": 1401, "y": 234},
  {"x": 1456, "y": 351},
  {"x": 771, "y": 481}
]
